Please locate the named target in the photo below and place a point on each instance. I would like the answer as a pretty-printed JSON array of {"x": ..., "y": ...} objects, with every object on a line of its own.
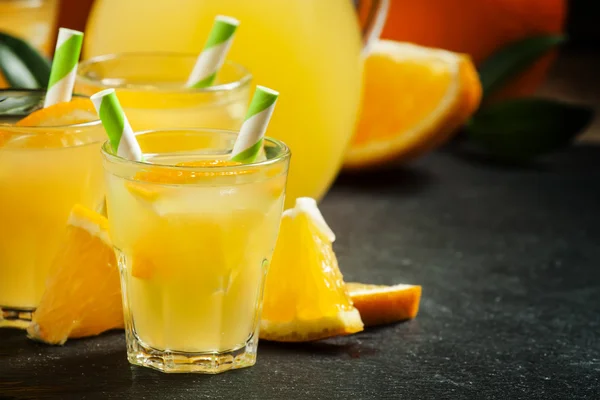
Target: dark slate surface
[{"x": 509, "y": 261}]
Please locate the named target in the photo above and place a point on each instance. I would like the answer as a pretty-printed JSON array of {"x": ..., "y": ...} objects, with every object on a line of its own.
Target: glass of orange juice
[
  {"x": 31, "y": 20},
  {"x": 151, "y": 89},
  {"x": 193, "y": 234},
  {"x": 44, "y": 171}
]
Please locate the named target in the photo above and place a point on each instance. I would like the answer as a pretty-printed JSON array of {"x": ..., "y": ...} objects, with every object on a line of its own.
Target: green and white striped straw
[
  {"x": 64, "y": 67},
  {"x": 116, "y": 125},
  {"x": 249, "y": 143},
  {"x": 213, "y": 55}
]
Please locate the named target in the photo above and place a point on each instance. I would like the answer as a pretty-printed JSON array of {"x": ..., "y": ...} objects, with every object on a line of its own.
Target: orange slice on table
[
  {"x": 305, "y": 296},
  {"x": 380, "y": 304},
  {"x": 83, "y": 294},
  {"x": 415, "y": 98},
  {"x": 77, "y": 111}
]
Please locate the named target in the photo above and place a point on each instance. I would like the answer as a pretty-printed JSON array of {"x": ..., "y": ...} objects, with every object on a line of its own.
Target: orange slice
[
  {"x": 178, "y": 176},
  {"x": 77, "y": 111},
  {"x": 305, "y": 295},
  {"x": 144, "y": 186},
  {"x": 82, "y": 296},
  {"x": 415, "y": 98},
  {"x": 379, "y": 304}
]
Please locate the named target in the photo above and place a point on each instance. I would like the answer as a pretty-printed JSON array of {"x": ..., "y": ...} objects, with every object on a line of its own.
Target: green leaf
[
  {"x": 14, "y": 69},
  {"x": 19, "y": 103},
  {"x": 509, "y": 61},
  {"x": 523, "y": 128},
  {"x": 21, "y": 64}
]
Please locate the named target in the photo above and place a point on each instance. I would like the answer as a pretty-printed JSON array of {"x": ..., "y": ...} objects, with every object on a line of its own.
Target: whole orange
[{"x": 479, "y": 28}]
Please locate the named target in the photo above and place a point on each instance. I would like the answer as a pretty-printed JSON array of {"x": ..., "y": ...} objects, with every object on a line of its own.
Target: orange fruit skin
[
  {"x": 378, "y": 308},
  {"x": 479, "y": 28}
]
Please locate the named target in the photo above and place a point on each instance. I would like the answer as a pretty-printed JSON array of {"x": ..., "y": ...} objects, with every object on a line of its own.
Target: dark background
[
  {"x": 508, "y": 259},
  {"x": 575, "y": 76},
  {"x": 583, "y": 24}
]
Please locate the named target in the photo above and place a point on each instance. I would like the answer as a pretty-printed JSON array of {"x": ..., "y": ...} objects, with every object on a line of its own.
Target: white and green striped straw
[
  {"x": 64, "y": 67},
  {"x": 213, "y": 55},
  {"x": 249, "y": 143},
  {"x": 116, "y": 125}
]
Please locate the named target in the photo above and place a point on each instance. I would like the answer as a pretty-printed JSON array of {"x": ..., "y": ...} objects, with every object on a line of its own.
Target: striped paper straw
[
  {"x": 64, "y": 67},
  {"x": 213, "y": 55},
  {"x": 116, "y": 125},
  {"x": 250, "y": 140}
]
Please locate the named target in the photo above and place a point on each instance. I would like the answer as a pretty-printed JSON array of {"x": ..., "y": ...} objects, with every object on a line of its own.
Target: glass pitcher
[{"x": 308, "y": 50}]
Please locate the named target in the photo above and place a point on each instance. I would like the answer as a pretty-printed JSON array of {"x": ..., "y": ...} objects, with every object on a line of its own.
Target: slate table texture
[{"x": 509, "y": 260}]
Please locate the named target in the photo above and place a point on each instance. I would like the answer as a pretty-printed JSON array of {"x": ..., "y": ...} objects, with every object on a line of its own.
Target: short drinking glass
[
  {"x": 193, "y": 235},
  {"x": 151, "y": 89}
]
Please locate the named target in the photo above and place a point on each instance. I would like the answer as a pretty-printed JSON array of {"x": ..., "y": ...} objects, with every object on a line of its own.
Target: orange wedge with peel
[
  {"x": 83, "y": 294},
  {"x": 380, "y": 304},
  {"x": 415, "y": 98},
  {"x": 305, "y": 295}
]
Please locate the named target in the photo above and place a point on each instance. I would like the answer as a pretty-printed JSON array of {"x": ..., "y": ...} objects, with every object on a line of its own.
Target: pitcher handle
[{"x": 372, "y": 15}]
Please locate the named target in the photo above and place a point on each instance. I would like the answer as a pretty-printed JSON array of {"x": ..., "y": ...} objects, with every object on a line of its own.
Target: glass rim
[
  {"x": 27, "y": 130},
  {"x": 223, "y": 87},
  {"x": 283, "y": 153},
  {"x": 25, "y": 1}
]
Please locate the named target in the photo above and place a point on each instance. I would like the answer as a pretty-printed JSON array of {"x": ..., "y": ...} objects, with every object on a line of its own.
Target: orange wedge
[
  {"x": 415, "y": 98},
  {"x": 379, "y": 304},
  {"x": 305, "y": 295},
  {"x": 82, "y": 296}
]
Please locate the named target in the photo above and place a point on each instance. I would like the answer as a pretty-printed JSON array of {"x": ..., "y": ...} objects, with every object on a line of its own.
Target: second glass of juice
[
  {"x": 151, "y": 89},
  {"x": 193, "y": 234},
  {"x": 44, "y": 172}
]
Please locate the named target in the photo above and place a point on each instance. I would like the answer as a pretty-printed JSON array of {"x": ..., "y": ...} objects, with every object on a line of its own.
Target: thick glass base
[
  {"x": 171, "y": 361},
  {"x": 15, "y": 317}
]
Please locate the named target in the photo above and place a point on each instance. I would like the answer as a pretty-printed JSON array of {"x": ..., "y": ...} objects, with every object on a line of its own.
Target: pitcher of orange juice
[{"x": 309, "y": 50}]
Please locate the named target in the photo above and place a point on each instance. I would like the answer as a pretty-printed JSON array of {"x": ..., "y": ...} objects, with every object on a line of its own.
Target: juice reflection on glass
[
  {"x": 193, "y": 242},
  {"x": 30, "y": 20},
  {"x": 44, "y": 171},
  {"x": 151, "y": 89},
  {"x": 310, "y": 50}
]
